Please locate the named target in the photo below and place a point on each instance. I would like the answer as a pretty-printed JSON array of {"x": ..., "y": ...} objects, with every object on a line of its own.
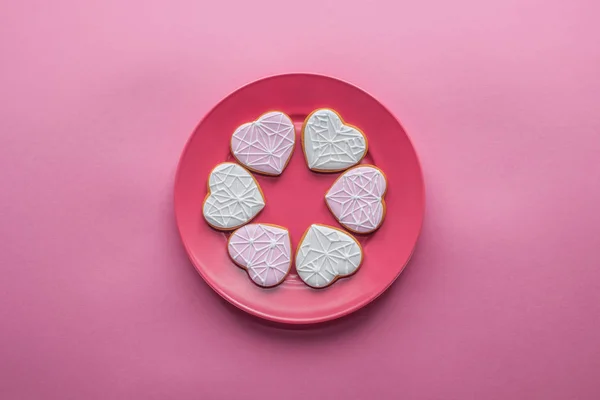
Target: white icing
[
  {"x": 325, "y": 254},
  {"x": 234, "y": 197},
  {"x": 266, "y": 144},
  {"x": 264, "y": 251},
  {"x": 329, "y": 145},
  {"x": 355, "y": 199}
]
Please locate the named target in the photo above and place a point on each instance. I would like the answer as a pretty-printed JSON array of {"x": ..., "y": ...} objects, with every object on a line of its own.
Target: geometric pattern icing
[
  {"x": 234, "y": 197},
  {"x": 356, "y": 199},
  {"x": 264, "y": 251},
  {"x": 326, "y": 254},
  {"x": 266, "y": 144},
  {"x": 329, "y": 145}
]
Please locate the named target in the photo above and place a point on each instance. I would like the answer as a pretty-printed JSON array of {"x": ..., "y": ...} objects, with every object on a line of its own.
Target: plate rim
[{"x": 258, "y": 313}]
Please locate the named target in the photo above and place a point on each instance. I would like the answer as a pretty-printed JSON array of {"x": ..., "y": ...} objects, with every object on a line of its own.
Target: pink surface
[
  {"x": 296, "y": 199},
  {"x": 99, "y": 301}
]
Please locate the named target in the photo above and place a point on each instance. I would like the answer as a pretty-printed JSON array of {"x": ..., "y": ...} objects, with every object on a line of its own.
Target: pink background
[{"x": 98, "y": 299}]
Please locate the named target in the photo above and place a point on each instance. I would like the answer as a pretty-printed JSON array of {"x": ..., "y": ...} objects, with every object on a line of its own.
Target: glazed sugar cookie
[
  {"x": 330, "y": 145},
  {"x": 356, "y": 198},
  {"x": 233, "y": 199},
  {"x": 326, "y": 254},
  {"x": 264, "y": 251},
  {"x": 265, "y": 145}
]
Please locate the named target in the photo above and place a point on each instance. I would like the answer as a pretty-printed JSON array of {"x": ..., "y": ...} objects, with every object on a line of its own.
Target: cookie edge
[
  {"x": 332, "y": 171},
  {"x": 209, "y": 193},
  {"x": 383, "y": 203},
  {"x": 337, "y": 277},
  {"x": 246, "y": 269},
  {"x": 252, "y": 169}
]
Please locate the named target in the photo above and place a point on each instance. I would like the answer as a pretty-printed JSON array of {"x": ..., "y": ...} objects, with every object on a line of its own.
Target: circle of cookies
[{"x": 356, "y": 198}]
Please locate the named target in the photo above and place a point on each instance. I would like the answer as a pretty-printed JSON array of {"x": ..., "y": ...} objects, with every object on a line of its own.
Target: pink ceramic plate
[{"x": 296, "y": 199}]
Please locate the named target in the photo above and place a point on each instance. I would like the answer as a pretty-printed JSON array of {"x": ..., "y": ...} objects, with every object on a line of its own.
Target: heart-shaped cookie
[
  {"x": 264, "y": 251},
  {"x": 233, "y": 199},
  {"x": 326, "y": 254},
  {"x": 356, "y": 198},
  {"x": 265, "y": 145},
  {"x": 329, "y": 144}
]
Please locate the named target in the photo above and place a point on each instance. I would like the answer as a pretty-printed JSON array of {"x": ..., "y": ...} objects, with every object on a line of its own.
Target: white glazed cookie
[
  {"x": 264, "y": 251},
  {"x": 326, "y": 254},
  {"x": 265, "y": 145},
  {"x": 330, "y": 145},
  {"x": 356, "y": 198},
  {"x": 233, "y": 199}
]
